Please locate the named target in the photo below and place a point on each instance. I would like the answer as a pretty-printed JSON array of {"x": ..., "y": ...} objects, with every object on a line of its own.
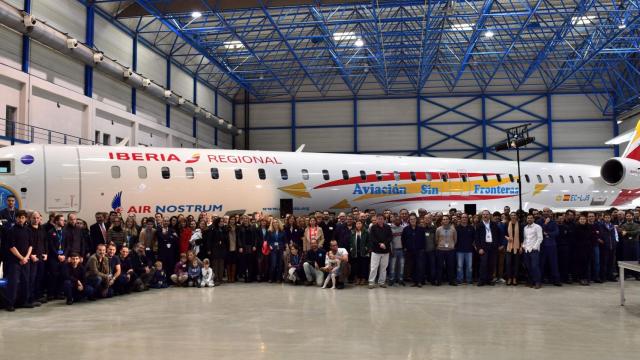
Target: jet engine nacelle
[{"x": 623, "y": 173}]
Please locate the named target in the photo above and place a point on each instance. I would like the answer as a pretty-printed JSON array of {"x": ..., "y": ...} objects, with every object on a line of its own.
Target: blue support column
[
  {"x": 355, "y": 125},
  {"x": 484, "y": 127},
  {"x": 88, "y": 70},
  {"x": 167, "y": 109},
  {"x": 26, "y": 44},
  {"x": 134, "y": 66},
  {"x": 293, "y": 124},
  {"x": 419, "y": 124},
  {"x": 195, "y": 101},
  {"x": 549, "y": 128},
  {"x": 215, "y": 112}
]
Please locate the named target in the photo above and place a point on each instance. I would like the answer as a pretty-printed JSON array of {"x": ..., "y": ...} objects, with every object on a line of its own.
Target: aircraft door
[
  {"x": 62, "y": 178},
  {"x": 286, "y": 207}
]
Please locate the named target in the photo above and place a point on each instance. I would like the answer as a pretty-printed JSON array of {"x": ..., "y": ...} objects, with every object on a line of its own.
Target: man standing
[
  {"x": 532, "y": 240},
  {"x": 74, "y": 236},
  {"x": 414, "y": 242},
  {"x": 19, "y": 245},
  {"x": 380, "y": 237},
  {"x": 247, "y": 250},
  {"x": 397, "y": 253},
  {"x": 57, "y": 257},
  {"x": 487, "y": 241},
  {"x": 10, "y": 212},
  {"x": 446, "y": 238},
  {"x": 607, "y": 249},
  {"x": 549, "y": 253},
  {"x": 98, "y": 231},
  {"x": 38, "y": 258},
  {"x": 630, "y": 231},
  {"x": 98, "y": 273},
  {"x": 566, "y": 230},
  {"x": 314, "y": 261},
  {"x": 342, "y": 232},
  {"x": 430, "y": 249}
]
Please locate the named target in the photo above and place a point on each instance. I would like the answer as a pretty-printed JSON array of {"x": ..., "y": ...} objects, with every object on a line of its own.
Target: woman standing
[
  {"x": 359, "y": 253},
  {"x": 196, "y": 241},
  {"x": 218, "y": 242},
  {"x": 583, "y": 248},
  {"x": 262, "y": 243},
  {"x": 185, "y": 233},
  {"x": 292, "y": 233},
  {"x": 130, "y": 232},
  {"x": 312, "y": 232},
  {"x": 232, "y": 254},
  {"x": 276, "y": 246},
  {"x": 514, "y": 249},
  {"x": 167, "y": 246}
]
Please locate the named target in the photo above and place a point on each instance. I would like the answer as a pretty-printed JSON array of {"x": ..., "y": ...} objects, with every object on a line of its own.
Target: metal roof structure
[{"x": 278, "y": 50}]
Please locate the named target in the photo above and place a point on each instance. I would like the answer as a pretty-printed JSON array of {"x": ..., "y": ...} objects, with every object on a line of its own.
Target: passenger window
[
  {"x": 511, "y": 178},
  {"x": 444, "y": 177},
  {"x": 580, "y": 179},
  {"x": 305, "y": 174},
  {"x": 115, "y": 172},
  {"x": 571, "y": 179},
  {"x": 485, "y": 178},
  {"x": 5, "y": 167},
  {"x": 413, "y": 176},
  {"x": 562, "y": 179},
  {"x": 464, "y": 177},
  {"x": 262, "y": 174},
  {"x": 499, "y": 177},
  {"x": 379, "y": 175},
  {"x": 396, "y": 175},
  {"x": 325, "y": 174},
  {"x": 215, "y": 175},
  {"x": 189, "y": 172},
  {"x": 142, "y": 172},
  {"x": 539, "y": 179},
  {"x": 283, "y": 174},
  {"x": 345, "y": 175},
  {"x": 363, "y": 175},
  {"x": 429, "y": 178},
  {"x": 526, "y": 177},
  {"x": 165, "y": 172},
  {"x": 550, "y": 179},
  {"x": 238, "y": 174}
]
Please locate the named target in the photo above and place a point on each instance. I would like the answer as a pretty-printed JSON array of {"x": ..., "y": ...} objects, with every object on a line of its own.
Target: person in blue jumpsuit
[{"x": 549, "y": 248}]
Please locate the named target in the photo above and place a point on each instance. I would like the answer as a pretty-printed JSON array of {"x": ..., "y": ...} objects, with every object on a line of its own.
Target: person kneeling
[
  {"x": 180, "y": 272},
  {"x": 75, "y": 287},
  {"x": 98, "y": 273},
  {"x": 333, "y": 268},
  {"x": 207, "y": 275}
]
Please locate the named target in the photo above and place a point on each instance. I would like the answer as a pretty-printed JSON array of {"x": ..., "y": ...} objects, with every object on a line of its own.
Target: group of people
[{"x": 65, "y": 259}]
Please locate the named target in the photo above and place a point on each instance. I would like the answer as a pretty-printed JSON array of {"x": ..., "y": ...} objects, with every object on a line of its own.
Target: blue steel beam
[
  {"x": 89, "y": 32},
  {"x": 26, "y": 44}
]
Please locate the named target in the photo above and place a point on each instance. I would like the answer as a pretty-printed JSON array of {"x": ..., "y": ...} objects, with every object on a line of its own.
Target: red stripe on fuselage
[
  {"x": 626, "y": 196},
  {"x": 389, "y": 176},
  {"x": 449, "y": 197}
]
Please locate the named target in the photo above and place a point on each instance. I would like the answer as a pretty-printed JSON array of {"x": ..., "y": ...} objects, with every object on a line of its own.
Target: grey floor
[{"x": 261, "y": 321}]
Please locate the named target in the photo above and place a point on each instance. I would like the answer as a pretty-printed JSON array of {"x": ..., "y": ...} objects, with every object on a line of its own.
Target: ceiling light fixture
[
  {"x": 359, "y": 43},
  {"x": 196, "y": 14},
  {"x": 342, "y": 36},
  {"x": 462, "y": 27},
  {"x": 488, "y": 34}
]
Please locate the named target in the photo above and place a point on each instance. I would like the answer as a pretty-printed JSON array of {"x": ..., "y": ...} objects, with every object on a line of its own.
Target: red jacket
[{"x": 185, "y": 236}]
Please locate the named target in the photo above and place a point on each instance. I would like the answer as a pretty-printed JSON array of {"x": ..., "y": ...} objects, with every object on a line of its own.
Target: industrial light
[
  {"x": 619, "y": 122},
  {"x": 196, "y": 14},
  {"x": 233, "y": 44},
  {"x": 488, "y": 34},
  {"x": 462, "y": 27},
  {"x": 342, "y": 36},
  {"x": 582, "y": 20},
  {"x": 622, "y": 26},
  {"x": 359, "y": 43}
]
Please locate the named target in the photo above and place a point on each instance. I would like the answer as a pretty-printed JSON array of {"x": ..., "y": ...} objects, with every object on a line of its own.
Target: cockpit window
[{"x": 5, "y": 167}]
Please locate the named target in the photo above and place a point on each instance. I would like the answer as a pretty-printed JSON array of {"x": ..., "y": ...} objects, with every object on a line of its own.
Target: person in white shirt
[{"x": 531, "y": 245}]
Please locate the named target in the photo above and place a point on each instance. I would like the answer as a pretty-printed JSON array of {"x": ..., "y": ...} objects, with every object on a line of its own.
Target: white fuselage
[{"x": 87, "y": 179}]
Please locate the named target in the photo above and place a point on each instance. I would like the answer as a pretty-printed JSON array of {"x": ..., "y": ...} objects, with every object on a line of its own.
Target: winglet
[{"x": 299, "y": 150}]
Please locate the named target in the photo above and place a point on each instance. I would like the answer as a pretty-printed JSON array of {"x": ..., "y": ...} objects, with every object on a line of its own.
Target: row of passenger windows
[{"x": 284, "y": 175}]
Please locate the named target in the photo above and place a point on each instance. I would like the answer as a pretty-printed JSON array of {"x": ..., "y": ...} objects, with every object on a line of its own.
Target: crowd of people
[{"x": 65, "y": 259}]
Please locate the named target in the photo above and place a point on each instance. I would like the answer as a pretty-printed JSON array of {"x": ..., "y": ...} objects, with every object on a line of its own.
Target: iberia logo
[{"x": 194, "y": 158}]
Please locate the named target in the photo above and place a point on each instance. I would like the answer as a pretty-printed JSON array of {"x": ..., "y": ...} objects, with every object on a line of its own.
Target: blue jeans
[
  {"x": 549, "y": 255},
  {"x": 465, "y": 266},
  {"x": 276, "y": 265},
  {"x": 397, "y": 260},
  {"x": 532, "y": 259},
  {"x": 595, "y": 268}
]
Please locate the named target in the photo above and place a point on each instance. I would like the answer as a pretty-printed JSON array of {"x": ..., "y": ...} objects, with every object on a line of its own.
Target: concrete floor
[{"x": 261, "y": 321}]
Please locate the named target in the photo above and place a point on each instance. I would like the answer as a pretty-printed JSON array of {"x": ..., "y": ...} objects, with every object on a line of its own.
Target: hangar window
[
  {"x": 305, "y": 174},
  {"x": 142, "y": 172},
  {"x": 345, "y": 175},
  {"x": 499, "y": 177},
  {"x": 562, "y": 179},
  {"x": 550, "y": 179},
  {"x": 485, "y": 178},
  {"x": 325, "y": 174},
  {"x": 396, "y": 175},
  {"x": 413, "y": 175},
  {"x": 580, "y": 179},
  {"x": 511, "y": 178},
  {"x": 166, "y": 174},
  {"x": 115, "y": 172},
  {"x": 444, "y": 177},
  {"x": 283, "y": 174},
  {"x": 571, "y": 179},
  {"x": 363, "y": 175},
  {"x": 539, "y": 179},
  {"x": 189, "y": 173},
  {"x": 526, "y": 177},
  {"x": 464, "y": 177},
  {"x": 261, "y": 174},
  {"x": 238, "y": 174},
  {"x": 215, "y": 175},
  {"x": 379, "y": 175}
]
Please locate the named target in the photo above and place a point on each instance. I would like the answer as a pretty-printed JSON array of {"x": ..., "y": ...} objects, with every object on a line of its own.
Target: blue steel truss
[{"x": 407, "y": 48}]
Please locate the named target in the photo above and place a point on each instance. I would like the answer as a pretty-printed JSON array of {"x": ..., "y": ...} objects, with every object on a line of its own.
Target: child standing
[
  {"x": 207, "y": 274},
  {"x": 333, "y": 266},
  {"x": 159, "y": 278}
]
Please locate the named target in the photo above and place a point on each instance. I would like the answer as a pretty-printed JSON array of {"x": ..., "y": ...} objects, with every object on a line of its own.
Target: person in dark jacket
[
  {"x": 38, "y": 257},
  {"x": 246, "y": 250},
  {"x": 292, "y": 233},
  {"x": 262, "y": 255},
  {"x": 607, "y": 249},
  {"x": 74, "y": 284},
  {"x": 167, "y": 246},
  {"x": 19, "y": 244},
  {"x": 58, "y": 253},
  {"x": 464, "y": 250},
  {"x": 430, "y": 248},
  {"x": 98, "y": 232},
  {"x": 487, "y": 241},
  {"x": 217, "y": 240},
  {"x": 414, "y": 243},
  {"x": 566, "y": 232},
  {"x": 380, "y": 237},
  {"x": 142, "y": 266},
  {"x": 549, "y": 248},
  {"x": 584, "y": 235},
  {"x": 74, "y": 236},
  {"x": 342, "y": 231},
  {"x": 359, "y": 253}
]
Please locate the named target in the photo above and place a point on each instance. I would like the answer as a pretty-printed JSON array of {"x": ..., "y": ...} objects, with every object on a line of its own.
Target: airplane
[{"x": 145, "y": 181}]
